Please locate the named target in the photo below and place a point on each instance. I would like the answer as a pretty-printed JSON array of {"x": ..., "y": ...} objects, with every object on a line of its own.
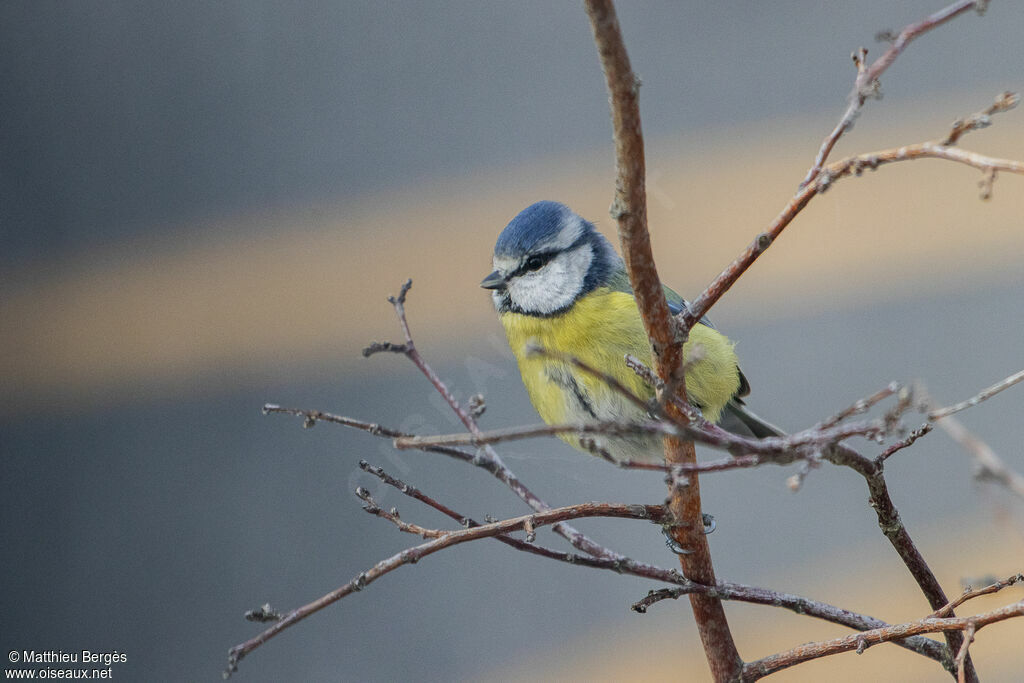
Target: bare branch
[
  {"x": 800, "y": 605},
  {"x": 630, "y": 211},
  {"x": 311, "y": 417},
  {"x": 777, "y": 450},
  {"x": 863, "y": 405},
  {"x": 823, "y": 180},
  {"x": 900, "y": 445},
  {"x": 889, "y": 520},
  {"x": 726, "y": 590},
  {"x": 487, "y": 458},
  {"x": 607, "y": 427},
  {"x": 983, "y": 395},
  {"x": 609, "y": 380},
  {"x": 866, "y": 84},
  {"x": 618, "y": 565},
  {"x": 499, "y": 530},
  {"x": 1004, "y": 102},
  {"x": 865, "y": 639},
  {"x": 961, "y": 656},
  {"x": 412, "y": 555},
  {"x": 370, "y": 505},
  {"x": 972, "y": 593}
]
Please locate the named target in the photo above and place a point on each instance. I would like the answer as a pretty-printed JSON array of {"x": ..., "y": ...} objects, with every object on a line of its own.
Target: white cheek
[{"x": 555, "y": 286}]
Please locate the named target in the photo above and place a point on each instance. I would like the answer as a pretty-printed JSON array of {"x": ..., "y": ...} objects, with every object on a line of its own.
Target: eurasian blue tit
[{"x": 559, "y": 284}]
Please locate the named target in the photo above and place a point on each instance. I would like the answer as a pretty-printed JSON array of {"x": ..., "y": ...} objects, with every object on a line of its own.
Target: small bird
[{"x": 559, "y": 284}]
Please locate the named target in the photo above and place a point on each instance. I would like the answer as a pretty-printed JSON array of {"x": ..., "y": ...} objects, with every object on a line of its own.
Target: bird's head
[{"x": 546, "y": 259}]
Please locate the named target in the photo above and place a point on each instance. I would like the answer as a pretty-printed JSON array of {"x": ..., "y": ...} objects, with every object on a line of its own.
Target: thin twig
[
  {"x": 865, "y": 639},
  {"x": 888, "y": 517},
  {"x": 486, "y": 457},
  {"x": 778, "y": 450},
  {"x": 983, "y": 395},
  {"x": 1004, "y": 102},
  {"x": 961, "y": 656},
  {"x": 311, "y": 417},
  {"x": 800, "y": 605},
  {"x": 900, "y": 445},
  {"x": 854, "y": 165},
  {"x": 863, "y": 405},
  {"x": 866, "y": 84},
  {"x": 617, "y": 565},
  {"x": 823, "y": 179},
  {"x": 499, "y": 530},
  {"x": 414, "y": 493},
  {"x": 654, "y": 513},
  {"x": 607, "y": 427},
  {"x": 416, "y": 553},
  {"x": 726, "y": 590},
  {"x": 371, "y": 506},
  {"x": 972, "y": 593}
]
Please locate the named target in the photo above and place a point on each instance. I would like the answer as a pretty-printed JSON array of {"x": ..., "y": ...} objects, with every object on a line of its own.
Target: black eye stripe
[{"x": 535, "y": 262}]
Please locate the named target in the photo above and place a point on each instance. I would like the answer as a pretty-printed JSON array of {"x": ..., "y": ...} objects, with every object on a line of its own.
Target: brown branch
[
  {"x": 900, "y": 445},
  {"x": 804, "y": 606},
  {"x": 623, "y": 565},
  {"x": 618, "y": 564},
  {"x": 892, "y": 527},
  {"x": 972, "y": 593},
  {"x": 629, "y": 208},
  {"x": 311, "y": 417},
  {"x": 487, "y": 458},
  {"x": 863, "y": 405},
  {"x": 866, "y": 84},
  {"x": 1004, "y": 102},
  {"x": 416, "y": 553},
  {"x": 888, "y": 517},
  {"x": 498, "y": 530},
  {"x": 608, "y": 427},
  {"x": 415, "y": 493},
  {"x": 777, "y": 450},
  {"x": 854, "y": 165},
  {"x": 983, "y": 395},
  {"x": 371, "y": 506},
  {"x": 726, "y": 590},
  {"x": 961, "y": 656},
  {"x": 653, "y": 513},
  {"x": 865, "y": 639},
  {"x": 610, "y": 381}
]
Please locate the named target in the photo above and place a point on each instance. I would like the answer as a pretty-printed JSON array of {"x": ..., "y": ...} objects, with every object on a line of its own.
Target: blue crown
[{"x": 533, "y": 225}]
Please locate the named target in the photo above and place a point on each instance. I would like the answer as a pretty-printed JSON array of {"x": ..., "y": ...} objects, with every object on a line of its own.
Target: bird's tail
[{"x": 738, "y": 419}]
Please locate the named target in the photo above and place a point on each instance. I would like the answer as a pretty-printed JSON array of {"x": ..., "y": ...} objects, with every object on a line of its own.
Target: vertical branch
[{"x": 630, "y": 211}]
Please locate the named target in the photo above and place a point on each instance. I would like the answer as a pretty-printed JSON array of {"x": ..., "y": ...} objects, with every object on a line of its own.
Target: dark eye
[{"x": 534, "y": 263}]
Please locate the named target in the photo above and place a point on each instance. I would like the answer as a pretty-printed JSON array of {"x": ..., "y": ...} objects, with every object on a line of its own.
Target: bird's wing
[
  {"x": 620, "y": 282},
  {"x": 676, "y": 304},
  {"x": 738, "y": 419}
]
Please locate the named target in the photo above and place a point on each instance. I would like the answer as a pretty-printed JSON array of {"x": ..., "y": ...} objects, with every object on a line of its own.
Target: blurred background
[{"x": 203, "y": 207}]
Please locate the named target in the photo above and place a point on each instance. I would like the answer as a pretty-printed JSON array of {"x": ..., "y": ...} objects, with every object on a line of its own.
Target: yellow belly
[{"x": 600, "y": 329}]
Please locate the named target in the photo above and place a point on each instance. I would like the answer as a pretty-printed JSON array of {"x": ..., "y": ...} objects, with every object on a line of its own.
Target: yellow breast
[{"x": 600, "y": 329}]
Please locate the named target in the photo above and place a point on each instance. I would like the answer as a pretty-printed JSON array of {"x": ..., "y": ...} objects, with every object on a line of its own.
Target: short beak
[{"x": 494, "y": 281}]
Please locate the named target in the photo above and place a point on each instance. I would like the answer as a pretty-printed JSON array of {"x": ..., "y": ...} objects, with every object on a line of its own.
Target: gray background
[{"x": 150, "y": 526}]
